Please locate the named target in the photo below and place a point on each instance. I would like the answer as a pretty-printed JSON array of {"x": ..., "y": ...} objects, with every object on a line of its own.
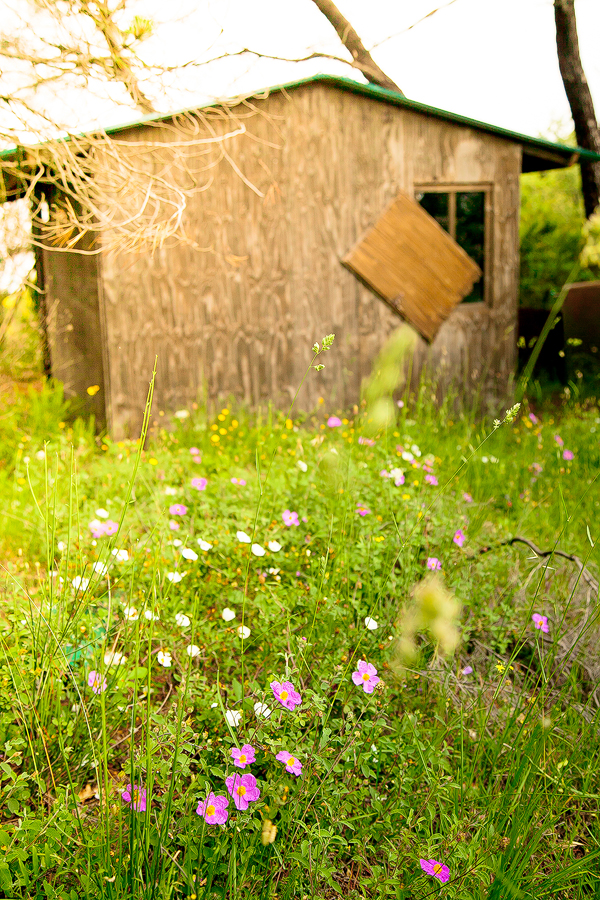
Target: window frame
[{"x": 452, "y": 189}]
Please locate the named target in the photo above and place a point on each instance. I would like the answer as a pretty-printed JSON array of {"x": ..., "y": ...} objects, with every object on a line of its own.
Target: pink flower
[
  {"x": 110, "y": 527},
  {"x": 568, "y": 454},
  {"x": 287, "y": 695},
  {"x": 239, "y": 481},
  {"x": 433, "y": 563},
  {"x": 368, "y": 441},
  {"x": 558, "y": 440},
  {"x": 197, "y": 459},
  {"x": 289, "y": 518},
  {"x": 135, "y": 796},
  {"x": 334, "y": 422},
  {"x": 97, "y": 528},
  {"x": 245, "y": 756},
  {"x": 173, "y": 525},
  {"x": 292, "y": 765},
  {"x": 435, "y": 868},
  {"x": 467, "y": 670},
  {"x": 540, "y": 622},
  {"x": 243, "y": 789},
  {"x": 199, "y": 484},
  {"x": 362, "y": 510},
  {"x": 467, "y": 497},
  {"x": 96, "y": 682},
  {"x": 214, "y": 809},
  {"x": 431, "y": 479},
  {"x": 178, "y": 509},
  {"x": 366, "y": 676},
  {"x": 459, "y": 537},
  {"x": 194, "y": 451},
  {"x": 533, "y": 418}
]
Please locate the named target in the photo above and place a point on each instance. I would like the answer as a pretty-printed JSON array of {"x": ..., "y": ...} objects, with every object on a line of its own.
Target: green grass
[{"x": 492, "y": 773}]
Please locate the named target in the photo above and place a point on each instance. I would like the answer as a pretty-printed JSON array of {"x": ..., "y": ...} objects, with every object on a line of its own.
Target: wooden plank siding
[{"x": 239, "y": 318}]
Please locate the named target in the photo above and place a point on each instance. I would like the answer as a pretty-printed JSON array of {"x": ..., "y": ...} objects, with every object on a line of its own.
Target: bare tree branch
[{"x": 353, "y": 44}]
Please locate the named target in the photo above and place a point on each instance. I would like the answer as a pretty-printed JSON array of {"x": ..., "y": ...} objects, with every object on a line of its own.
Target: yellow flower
[{"x": 93, "y": 389}]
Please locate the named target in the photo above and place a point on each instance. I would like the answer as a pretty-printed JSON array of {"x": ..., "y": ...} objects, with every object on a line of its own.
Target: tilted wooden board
[{"x": 414, "y": 265}]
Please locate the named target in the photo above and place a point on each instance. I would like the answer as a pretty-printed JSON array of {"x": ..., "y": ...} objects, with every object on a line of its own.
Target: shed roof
[{"x": 538, "y": 153}]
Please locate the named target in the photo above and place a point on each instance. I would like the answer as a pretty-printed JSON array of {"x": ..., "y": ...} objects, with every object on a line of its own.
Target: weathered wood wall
[
  {"x": 75, "y": 340},
  {"x": 240, "y": 318}
]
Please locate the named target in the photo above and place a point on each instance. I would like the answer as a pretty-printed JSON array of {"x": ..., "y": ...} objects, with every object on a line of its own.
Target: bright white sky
[{"x": 493, "y": 60}]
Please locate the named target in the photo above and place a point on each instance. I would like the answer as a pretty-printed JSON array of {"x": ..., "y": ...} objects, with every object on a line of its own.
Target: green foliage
[{"x": 552, "y": 219}]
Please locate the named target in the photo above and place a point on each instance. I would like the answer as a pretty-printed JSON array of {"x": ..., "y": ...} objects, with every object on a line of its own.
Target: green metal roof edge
[
  {"x": 365, "y": 90},
  {"x": 377, "y": 93}
]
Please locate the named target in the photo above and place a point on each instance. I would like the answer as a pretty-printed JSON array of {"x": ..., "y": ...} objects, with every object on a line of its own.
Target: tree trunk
[
  {"x": 580, "y": 99},
  {"x": 353, "y": 44}
]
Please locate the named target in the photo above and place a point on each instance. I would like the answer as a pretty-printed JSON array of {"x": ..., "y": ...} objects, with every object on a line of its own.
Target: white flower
[
  {"x": 228, "y": 614},
  {"x": 131, "y": 613},
  {"x": 407, "y": 456},
  {"x": 148, "y": 614},
  {"x": 274, "y": 571},
  {"x": 302, "y": 465},
  {"x": 258, "y": 550},
  {"x": 261, "y": 709},
  {"x": 213, "y": 705},
  {"x": 80, "y": 583},
  {"x": 171, "y": 491},
  {"x": 182, "y": 414},
  {"x": 243, "y": 631},
  {"x": 193, "y": 650},
  {"x": 333, "y": 450},
  {"x": 204, "y": 545},
  {"x": 182, "y": 620},
  {"x": 176, "y": 577},
  {"x": 233, "y": 717},
  {"x": 177, "y": 542},
  {"x": 95, "y": 524},
  {"x": 164, "y": 658},
  {"x": 371, "y": 624},
  {"x": 189, "y": 554},
  {"x": 274, "y": 546},
  {"x": 41, "y": 454},
  {"x": 100, "y": 568},
  {"x": 121, "y": 555},
  {"x": 415, "y": 450},
  {"x": 243, "y": 537},
  {"x": 102, "y": 513},
  {"x": 114, "y": 658},
  {"x": 61, "y": 546}
]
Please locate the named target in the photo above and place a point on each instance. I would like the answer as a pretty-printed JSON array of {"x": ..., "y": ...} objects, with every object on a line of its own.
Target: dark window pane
[
  {"x": 470, "y": 233},
  {"x": 437, "y": 207}
]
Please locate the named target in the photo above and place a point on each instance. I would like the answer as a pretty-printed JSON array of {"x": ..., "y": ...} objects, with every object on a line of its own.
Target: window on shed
[{"x": 461, "y": 211}]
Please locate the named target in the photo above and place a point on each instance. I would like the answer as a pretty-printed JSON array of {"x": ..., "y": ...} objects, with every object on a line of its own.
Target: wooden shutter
[{"x": 414, "y": 265}]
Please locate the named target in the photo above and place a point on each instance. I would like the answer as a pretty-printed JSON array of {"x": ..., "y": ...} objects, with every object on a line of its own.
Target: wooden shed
[{"x": 339, "y": 207}]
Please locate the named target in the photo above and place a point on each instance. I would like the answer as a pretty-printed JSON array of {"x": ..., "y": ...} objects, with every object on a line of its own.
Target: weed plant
[{"x": 280, "y": 657}]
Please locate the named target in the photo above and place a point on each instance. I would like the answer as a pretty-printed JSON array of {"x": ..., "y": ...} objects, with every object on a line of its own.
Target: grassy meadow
[{"x": 269, "y": 657}]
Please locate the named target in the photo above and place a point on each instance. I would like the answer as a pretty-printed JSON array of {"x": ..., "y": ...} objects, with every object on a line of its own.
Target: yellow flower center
[
  {"x": 241, "y": 790},
  {"x": 292, "y": 761},
  {"x": 283, "y": 695},
  {"x": 210, "y": 810},
  {"x": 366, "y": 676},
  {"x": 97, "y": 681},
  {"x": 242, "y": 757},
  {"x": 437, "y": 869},
  {"x": 136, "y": 795}
]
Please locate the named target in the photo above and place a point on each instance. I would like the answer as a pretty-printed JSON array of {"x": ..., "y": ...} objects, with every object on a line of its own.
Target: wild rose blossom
[
  {"x": 371, "y": 624},
  {"x": 334, "y": 422},
  {"x": 435, "y": 868},
  {"x": 199, "y": 483},
  {"x": 233, "y": 717},
  {"x": 366, "y": 676},
  {"x": 274, "y": 546},
  {"x": 193, "y": 650},
  {"x": 459, "y": 537},
  {"x": 214, "y": 809},
  {"x": 362, "y": 510},
  {"x": 173, "y": 525},
  {"x": 369, "y": 442},
  {"x": 97, "y": 682},
  {"x": 194, "y": 451},
  {"x": 290, "y": 518},
  {"x": 164, "y": 658},
  {"x": 243, "y": 789},
  {"x": 540, "y": 622},
  {"x": 433, "y": 563},
  {"x": 182, "y": 620},
  {"x": 568, "y": 454},
  {"x": 243, "y": 538},
  {"x": 558, "y": 440},
  {"x": 262, "y": 710},
  {"x": 431, "y": 479},
  {"x": 240, "y": 481},
  {"x": 257, "y": 550},
  {"x": 292, "y": 765},
  {"x": 243, "y": 757},
  {"x": 178, "y": 509},
  {"x": 135, "y": 796},
  {"x": 286, "y": 694},
  {"x": 228, "y": 614}
]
